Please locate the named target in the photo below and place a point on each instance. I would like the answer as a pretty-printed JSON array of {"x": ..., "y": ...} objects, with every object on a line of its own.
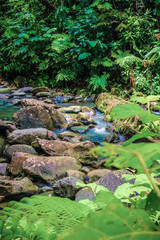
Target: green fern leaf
[
  {"x": 129, "y": 110},
  {"x": 146, "y": 134},
  {"x": 123, "y": 157},
  {"x": 116, "y": 222}
]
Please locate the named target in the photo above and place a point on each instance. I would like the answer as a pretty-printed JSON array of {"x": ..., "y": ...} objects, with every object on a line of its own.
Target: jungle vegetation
[{"x": 99, "y": 44}]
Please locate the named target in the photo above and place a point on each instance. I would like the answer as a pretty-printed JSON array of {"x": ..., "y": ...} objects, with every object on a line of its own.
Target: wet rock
[
  {"x": 49, "y": 101},
  {"x": 70, "y": 137},
  {"x": 25, "y": 89},
  {"x": 71, "y": 109},
  {"x": 128, "y": 127},
  {"x": 81, "y": 128},
  {"x": 46, "y": 189},
  {"x": 105, "y": 102},
  {"x": 15, "y": 167},
  {"x": 27, "y": 136},
  {"x": 85, "y": 169},
  {"x": 96, "y": 174},
  {"x": 15, "y": 101},
  {"x": 6, "y": 127},
  {"x": 67, "y": 99},
  {"x": 85, "y": 119},
  {"x": 30, "y": 102},
  {"x": 49, "y": 169},
  {"x": 74, "y": 123},
  {"x": 113, "y": 179},
  {"x": 80, "y": 150},
  {"x": 11, "y": 149},
  {"x": 3, "y": 168},
  {"x": 19, "y": 187},
  {"x": 39, "y": 114},
  {"x": 88, "y": 110},
  {"x": 39, "y": 89},
  {"x": 3, "y": 97},
  {"x": 85, "y": 193},
  {"x": 2, "y": 143},
  {"x": 76, "y": 174},
  {"x": 112, "y": 137},
  {"x": 3, "y": 160},
  {"x": 20, "y": 82},
  {"x": 17, "y": 94},
  {"x": 66, "y": 187},
  {"x": 42, "y": 94}
]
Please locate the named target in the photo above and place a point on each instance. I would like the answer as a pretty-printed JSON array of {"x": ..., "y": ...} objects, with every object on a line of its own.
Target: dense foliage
[{"x": 94, "y": 43}]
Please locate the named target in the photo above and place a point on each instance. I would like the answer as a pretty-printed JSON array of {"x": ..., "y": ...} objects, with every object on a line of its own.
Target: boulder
[
  {"x": 20, "y": 187},
  {"x": 66, "y": 187},
  {"x": 48, "y": 169},
  {"x": 76, "y": 174},
  {"x": 71, "y": 109},
  {"x": 35, "y": 114},
  {"x": 2, "y": 143},
  {"x": 6, "y": 127},
  {"x": 88, "y": 110},
  {"x": 30, "y": 102},
  {"x": 25, "y": 89},
  {"x": 27, "y": 136},
  {"x": 20, "y": 82},
  {"x": 81, "y": 128},
  {"x": 70, "y": 136},
  {"x": 112, "y": 137},
  {"x": 112, "y": 179},
  {"x": 80, "y": 150},
  {"x": 39, "y": 89},
  {"x": 11, "y": 149},
  {"x": 3, "y": 168},
  {"x": 17, "y": 160},
  {"x": 17, "y": 94},
  {"x": 96, "y": 174},
  {"x": 85, "y": 118},
  {"x": 3, "y": 160},
  {"x": 42, "y": 94},
  {"x": 85, "y": 193},
  {"x": 105, "y": 102}
]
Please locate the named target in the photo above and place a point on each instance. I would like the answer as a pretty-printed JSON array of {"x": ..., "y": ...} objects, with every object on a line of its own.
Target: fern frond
[
  {"x": 65, "y": 75},
  {"x": 154, "y": 54},
  {"x": 61, "y": 43}
]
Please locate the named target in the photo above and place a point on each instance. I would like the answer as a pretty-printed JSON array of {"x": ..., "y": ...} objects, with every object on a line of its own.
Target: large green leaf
[
  {"x": 123, "y": 157},
  {"x": 141, "y": 135},
  {"x": 129, "y": 110},
  {"x": 116, "y": 222},
  {"x": 83, "y": 56}
]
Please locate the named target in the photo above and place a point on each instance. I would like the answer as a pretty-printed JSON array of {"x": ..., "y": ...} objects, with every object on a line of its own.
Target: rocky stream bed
[{"x": 45, "y": 139}]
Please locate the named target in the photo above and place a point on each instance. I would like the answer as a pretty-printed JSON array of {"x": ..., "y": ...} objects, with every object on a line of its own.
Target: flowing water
[{"x": 8, "y": 106}]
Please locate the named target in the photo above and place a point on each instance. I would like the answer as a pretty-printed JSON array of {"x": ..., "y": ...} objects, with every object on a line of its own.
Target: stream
[{"x": 10, "y": 104}]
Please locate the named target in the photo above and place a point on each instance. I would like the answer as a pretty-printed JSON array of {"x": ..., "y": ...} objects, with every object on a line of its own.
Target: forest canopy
[{"x": 99, "y": 44}]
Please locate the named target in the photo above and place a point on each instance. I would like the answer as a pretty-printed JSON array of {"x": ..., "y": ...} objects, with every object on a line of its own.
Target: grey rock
[
  {"x": 112, "y": 137},
  {"x": 39, "y": 89},
  {"x": 66, "y": 187},
  {"x": 39, "y": 114},
  {"x": 113, "y": 179},
  {"x": 76, "y": 174},
  {"x": 70, "y": 136},
  {"x": 19, "y": 187},
  {"x": 11, "y": 149},
  {"x": 3, "y": 168},
  {"x": 27, "y": 136},
  {"x": 85, "y": 193},
  {"x": 2, "y": 143},
  {"x": 49, "y": 169}
]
